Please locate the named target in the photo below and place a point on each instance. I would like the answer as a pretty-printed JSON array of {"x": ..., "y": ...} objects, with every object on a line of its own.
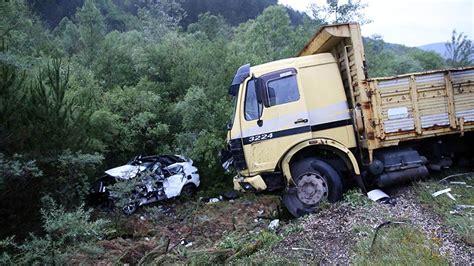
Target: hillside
[{"x": 387, "y": 59}]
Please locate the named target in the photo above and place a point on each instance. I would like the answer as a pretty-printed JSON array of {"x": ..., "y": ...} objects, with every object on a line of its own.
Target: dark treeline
[
  {"x": 86, "y": 85},
  {"x": 233, "y": 11}
]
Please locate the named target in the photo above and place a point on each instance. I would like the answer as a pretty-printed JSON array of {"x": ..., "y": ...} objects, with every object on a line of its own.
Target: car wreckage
[{"x": 157, "y": 177}]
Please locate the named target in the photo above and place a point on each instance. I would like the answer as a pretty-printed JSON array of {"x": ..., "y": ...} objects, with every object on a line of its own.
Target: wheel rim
[
  {"x": 129, "y": 208},
  {"x": 312, "y": 188}
]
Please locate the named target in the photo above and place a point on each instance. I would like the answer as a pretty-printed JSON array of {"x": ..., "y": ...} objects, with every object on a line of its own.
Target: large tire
[{"x": 316, "y": 181}]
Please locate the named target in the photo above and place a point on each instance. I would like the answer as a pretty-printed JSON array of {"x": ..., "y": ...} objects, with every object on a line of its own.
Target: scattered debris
[
  {"x": 304, "y": 249},
  {"x": 450, "y": 196},
  {"x": 274, "y": 224},
  {"x": 457, "y": 183},
  {"x": 214, "y": 200},
  {"x": 437, "y": 193},
  {"x": 444, "y": 191},
  {"x": 378, "y": 195},
  {"x": 230, "y": 195},
  {"x": 461, "y": 206}
]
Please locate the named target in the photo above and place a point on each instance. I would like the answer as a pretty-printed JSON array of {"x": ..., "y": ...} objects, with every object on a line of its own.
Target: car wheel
[
  {"x": 129, "y": 208},
  {"x": 188, "y": 190},
  {"x": 316, "y": 181}
]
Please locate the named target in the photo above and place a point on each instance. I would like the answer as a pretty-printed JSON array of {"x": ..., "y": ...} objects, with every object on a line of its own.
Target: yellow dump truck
[{"x": 312, "y": 125}]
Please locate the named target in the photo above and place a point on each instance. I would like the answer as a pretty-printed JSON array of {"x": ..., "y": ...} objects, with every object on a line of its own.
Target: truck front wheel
[{"x": 316, "y": 181}]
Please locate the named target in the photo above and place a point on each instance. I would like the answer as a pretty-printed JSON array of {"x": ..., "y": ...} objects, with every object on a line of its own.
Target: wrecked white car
[{"x": 159, "y": 177}]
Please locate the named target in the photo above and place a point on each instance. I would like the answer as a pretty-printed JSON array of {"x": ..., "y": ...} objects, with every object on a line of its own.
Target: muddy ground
[{"x": 188, "y": 231}]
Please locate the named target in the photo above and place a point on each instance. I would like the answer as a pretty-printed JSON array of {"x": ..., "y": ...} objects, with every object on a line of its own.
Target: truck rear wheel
[{"x": 316, "y": 181}]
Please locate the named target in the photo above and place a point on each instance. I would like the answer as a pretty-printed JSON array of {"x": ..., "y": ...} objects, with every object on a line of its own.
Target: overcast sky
[{"x": 411, "y": 22}]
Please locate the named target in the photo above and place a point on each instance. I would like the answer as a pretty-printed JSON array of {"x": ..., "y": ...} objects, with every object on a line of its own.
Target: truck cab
[{"x": 285, "y": 106}]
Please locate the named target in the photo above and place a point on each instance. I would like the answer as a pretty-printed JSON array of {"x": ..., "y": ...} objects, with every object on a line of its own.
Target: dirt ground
[
  {"x": 176, "y": 230},
  {"x": 329, "y": 237},
  {"x": 179, "y": 224}
]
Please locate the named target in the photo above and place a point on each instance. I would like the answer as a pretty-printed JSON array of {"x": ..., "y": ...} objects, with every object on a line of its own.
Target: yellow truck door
[{"x": 284, "y": 119}]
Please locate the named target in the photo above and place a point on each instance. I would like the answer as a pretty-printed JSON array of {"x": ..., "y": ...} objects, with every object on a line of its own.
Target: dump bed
[
  {"x": 390, "y": 110},
  {"x": 423, "y": 104}
]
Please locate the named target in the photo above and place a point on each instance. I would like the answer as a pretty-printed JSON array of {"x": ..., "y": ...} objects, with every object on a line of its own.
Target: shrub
[
  {"x": 76, "y": 171},
  {"x": 66, "y": 234}
]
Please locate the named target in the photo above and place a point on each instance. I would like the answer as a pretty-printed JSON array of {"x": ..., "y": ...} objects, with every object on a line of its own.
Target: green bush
[
  {"x": 17, "y": 170},
  {"x": 76, "y": 171},
  {"x": 66, "y": 234}
]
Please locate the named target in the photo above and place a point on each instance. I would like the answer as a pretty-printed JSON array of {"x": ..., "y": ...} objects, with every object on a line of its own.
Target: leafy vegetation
[
  {"x": 335, "y": 12},
  {"x": 385, "y": 59},
  {"x": 66, "y": 234},
  {"x": 355, "y": 198}
]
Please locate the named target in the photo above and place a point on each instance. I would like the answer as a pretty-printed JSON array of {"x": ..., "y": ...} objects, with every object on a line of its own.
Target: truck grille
[{"x": 237, "y": 150}]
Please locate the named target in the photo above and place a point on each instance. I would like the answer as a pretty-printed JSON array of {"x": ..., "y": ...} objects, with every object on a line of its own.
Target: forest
[{"x": 88, "y": 84}]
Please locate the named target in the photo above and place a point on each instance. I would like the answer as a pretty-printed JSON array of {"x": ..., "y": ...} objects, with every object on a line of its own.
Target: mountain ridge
[{"x": 438, "y": 47}]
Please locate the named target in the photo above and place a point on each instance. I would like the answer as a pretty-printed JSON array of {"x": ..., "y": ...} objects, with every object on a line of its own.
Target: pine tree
[
  {"x": 91, "y": 29},
  {"x": 459, "y": 51}
]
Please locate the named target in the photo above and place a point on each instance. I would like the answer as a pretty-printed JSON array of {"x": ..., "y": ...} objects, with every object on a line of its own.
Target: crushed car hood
[{"x": 125, "y": 172}]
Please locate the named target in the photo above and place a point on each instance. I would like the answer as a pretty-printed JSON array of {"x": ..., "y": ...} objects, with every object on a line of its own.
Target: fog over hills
[{"x": 438, "y": 47}]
